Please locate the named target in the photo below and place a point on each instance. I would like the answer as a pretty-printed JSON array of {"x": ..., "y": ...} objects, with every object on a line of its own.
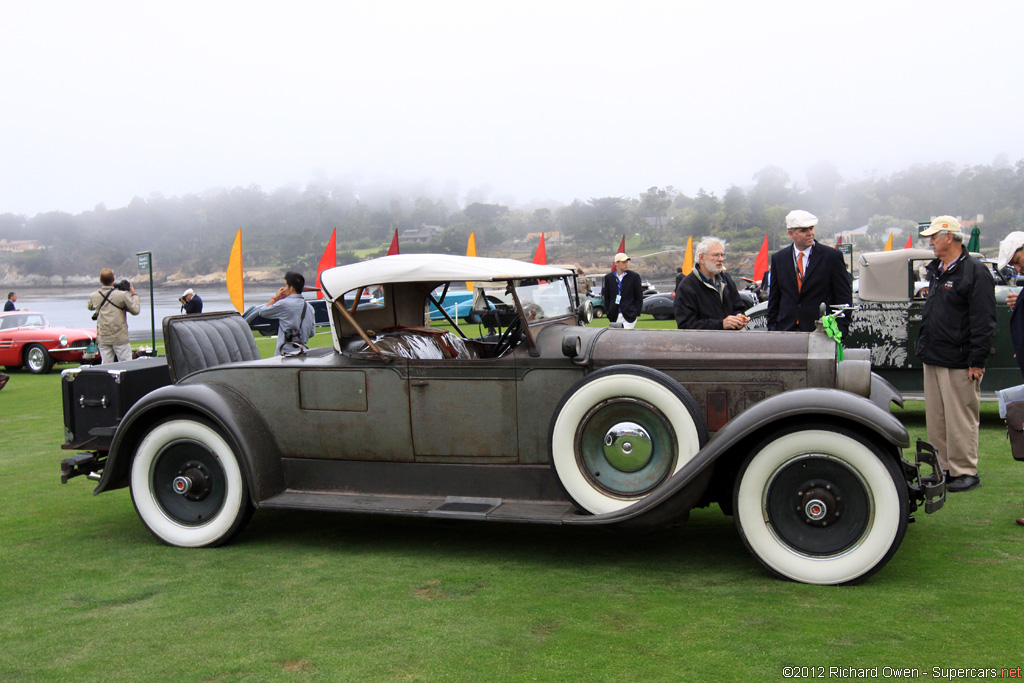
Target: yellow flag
[
  {"x": 236, "y": 289},
  {"x": 688, "y": 258},
  {"x": 471, "y": 251},
  {"x": 888, "y": 243}
]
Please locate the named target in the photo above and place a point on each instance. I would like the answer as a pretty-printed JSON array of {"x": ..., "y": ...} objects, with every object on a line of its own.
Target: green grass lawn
[{"x": 89, "y": 594}]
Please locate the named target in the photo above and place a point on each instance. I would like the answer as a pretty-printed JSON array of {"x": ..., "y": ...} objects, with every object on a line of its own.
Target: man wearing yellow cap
[{"x": 957, "y": 324}]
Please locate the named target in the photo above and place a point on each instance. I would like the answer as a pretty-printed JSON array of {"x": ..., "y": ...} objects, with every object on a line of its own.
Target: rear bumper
[{"x": 929, "y": 489}]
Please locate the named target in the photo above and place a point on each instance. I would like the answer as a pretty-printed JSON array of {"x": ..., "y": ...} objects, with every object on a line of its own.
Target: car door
[{"x": 464, "y": 410}]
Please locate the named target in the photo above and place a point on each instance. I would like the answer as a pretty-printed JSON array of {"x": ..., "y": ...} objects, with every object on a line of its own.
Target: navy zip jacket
[{"x": 959, "y": 316}]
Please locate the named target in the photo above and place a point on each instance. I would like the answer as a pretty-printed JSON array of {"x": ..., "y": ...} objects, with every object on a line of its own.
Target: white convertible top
[
  {"x": 884, "y": 275},
  {"x": 431, "y": 268}
]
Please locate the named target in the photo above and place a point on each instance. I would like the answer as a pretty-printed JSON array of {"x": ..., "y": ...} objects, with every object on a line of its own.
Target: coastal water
[{"x": 65, "y": 306}]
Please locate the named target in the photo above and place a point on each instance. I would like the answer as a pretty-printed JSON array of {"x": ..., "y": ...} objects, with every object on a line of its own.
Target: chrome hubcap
[{"x": 627, "y": 447}]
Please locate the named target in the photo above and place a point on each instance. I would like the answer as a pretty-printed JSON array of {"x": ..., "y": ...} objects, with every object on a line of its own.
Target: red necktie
[{"x": 799, "y": 270}]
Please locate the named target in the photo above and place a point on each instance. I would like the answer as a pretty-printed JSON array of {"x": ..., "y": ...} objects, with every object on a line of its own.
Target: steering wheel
[{"x": 507, "y": 337}]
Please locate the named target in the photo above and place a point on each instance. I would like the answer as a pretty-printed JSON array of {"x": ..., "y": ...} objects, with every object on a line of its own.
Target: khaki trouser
[
  {"x": 110, "y": 353},
  {"x": 952, "y": 405}
]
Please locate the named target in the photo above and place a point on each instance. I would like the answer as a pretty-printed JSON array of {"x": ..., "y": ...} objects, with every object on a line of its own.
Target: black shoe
[{"x": 965, "y": 482}]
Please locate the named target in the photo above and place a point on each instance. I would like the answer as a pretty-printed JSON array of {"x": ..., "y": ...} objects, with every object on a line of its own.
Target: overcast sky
[{"x": 511, "y": 102}]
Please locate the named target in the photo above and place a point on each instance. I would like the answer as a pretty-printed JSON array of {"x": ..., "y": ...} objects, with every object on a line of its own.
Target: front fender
[
  {"x": 246, "y": 431},
  {"x": 681, "y": 491}
]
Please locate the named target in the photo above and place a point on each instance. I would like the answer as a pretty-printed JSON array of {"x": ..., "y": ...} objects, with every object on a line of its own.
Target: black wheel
[
  {"x": 188, "y": 486},
  {"x": 662, "y": 316},
  {"x": 821, "y": 505},
  {"x": 37, "y": 359},
  {"x": 621, "y": 432},
  {"x": 598, "y": 311}
]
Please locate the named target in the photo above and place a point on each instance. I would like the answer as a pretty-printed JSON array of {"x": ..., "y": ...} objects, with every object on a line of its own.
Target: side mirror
[{"x": 585, "y": 312}]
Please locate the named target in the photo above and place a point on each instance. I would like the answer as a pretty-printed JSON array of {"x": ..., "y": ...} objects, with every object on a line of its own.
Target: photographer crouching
[{"x": 112, "y": 302}]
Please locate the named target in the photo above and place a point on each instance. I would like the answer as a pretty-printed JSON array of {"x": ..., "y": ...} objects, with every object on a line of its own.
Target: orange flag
[
  {"x": 236, "y": 289},
  {"x": 888, "y": 243},
  {"x": 761, "y": 262},
  {"x": 540, "y": 257},
  {"x": 393, "y": 249},
  {"x": 328, "y": 260},
  {"x": 688, "y": 258},
  {"x": 471, "y": 251}
]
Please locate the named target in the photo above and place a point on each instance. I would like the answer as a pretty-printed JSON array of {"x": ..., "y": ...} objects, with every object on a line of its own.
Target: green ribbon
[{"x": 833, "y": 332}]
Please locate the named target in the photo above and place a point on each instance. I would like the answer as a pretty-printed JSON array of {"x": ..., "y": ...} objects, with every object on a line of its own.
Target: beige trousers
[
  {"x": 112, "y": 353},
  {"x": 952, "y": 406}
]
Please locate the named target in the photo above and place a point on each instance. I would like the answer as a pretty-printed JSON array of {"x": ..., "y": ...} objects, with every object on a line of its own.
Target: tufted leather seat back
[{"x": 195, "y": 342}]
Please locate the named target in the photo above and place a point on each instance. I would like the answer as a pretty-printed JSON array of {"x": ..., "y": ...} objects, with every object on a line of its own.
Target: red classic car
[{"x": 26, "y": 339}]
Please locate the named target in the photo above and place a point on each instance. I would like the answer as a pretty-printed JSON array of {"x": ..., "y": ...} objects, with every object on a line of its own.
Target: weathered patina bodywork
[{"x": 551, "y": 422}]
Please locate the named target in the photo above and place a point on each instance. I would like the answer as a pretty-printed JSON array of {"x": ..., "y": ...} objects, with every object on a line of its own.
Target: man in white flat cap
[
  {"x": 623, "y": 293},
  {"x": 957, "y": 325},
  {"x": 805, "y": 275},
  {"x": 190, "y": 302}
]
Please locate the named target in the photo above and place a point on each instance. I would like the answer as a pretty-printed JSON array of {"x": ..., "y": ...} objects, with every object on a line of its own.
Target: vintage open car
[
  {"x": 582, "y": 426},
  {"x": 27, "y": 340}
]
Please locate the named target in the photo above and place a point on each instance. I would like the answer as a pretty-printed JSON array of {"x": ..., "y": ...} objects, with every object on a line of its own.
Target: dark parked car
[
  {"x": 574, "y": 425},
  {"x": 889, "y": 296},
  {"x": 661, "y": 305}
]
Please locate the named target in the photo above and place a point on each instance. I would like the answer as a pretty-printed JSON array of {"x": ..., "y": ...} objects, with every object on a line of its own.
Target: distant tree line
[{"x": 289, "y": 227}]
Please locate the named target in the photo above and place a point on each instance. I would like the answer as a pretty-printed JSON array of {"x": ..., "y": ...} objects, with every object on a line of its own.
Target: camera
[{"x": 123, "y": 285}]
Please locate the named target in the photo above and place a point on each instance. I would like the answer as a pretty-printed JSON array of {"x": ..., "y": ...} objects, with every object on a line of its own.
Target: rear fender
[
  {"x": 225, "y": 408},
  {"x": 680, "y": 492}
]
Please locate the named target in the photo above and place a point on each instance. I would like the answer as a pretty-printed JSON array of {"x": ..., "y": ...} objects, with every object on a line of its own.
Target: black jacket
[
  {"x": 193, "y": 305},
  {"x": 826, "y": 280},
  {"x": 632, "y": 296},
  {"x": 959, "y": 316},
  {"x": 698, "y": 305}
]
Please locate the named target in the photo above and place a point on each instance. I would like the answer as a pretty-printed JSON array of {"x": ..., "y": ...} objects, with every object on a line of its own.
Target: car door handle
[{"x": 419, "y": 384}]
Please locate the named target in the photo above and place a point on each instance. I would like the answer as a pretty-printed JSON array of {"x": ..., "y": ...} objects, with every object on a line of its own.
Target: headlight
[{"x": 63, "y": 339}]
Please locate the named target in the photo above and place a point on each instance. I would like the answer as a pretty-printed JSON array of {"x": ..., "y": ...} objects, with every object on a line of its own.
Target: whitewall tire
[
  {"x": 187, "y": 485},
  {"x": 619, "y": 433},
  {"x": 821, "y": 506}
]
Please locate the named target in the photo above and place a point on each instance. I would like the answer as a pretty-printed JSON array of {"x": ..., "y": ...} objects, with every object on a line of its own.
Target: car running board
[{"x": 452, "y": 507}]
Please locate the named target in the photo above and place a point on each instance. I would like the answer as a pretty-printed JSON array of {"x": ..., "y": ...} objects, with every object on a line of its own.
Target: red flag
[
  {"x": 328, "y": 260},
  {"x": 621, "y": 250},
  {"x": 541, "y": 256},
  {"x": 839, "y": 239},
  {"x": 393, "y": 249},
  {"x": 910, "y": 242},
  {"x": 761, "y": 262}
]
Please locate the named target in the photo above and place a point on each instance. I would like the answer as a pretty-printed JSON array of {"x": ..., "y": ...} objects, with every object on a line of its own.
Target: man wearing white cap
[
  {"x": 190, "y": 302},
  {"x": 623, "y": 292},
  {"x": 957, "y": 325},
  {"x": 805, "y": 275}
]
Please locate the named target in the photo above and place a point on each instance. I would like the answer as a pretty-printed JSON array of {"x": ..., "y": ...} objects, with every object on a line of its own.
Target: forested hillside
[{"x": 288, "y": 227}]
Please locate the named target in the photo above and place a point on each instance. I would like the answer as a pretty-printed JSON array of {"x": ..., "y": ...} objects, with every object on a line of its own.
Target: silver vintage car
[{"x": 575, "y": 425}]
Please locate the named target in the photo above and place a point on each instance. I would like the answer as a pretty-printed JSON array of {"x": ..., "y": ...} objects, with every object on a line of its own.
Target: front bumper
[{"x": 929, "y": 489}]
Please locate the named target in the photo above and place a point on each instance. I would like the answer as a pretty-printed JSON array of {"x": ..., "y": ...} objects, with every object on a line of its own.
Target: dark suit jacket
[
  {"x": 826, "y": 280},
  {"x": 632, "y": 296}
]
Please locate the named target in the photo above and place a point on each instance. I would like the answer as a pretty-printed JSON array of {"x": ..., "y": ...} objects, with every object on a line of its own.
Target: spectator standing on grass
[
  {"x": 1011, "y": 252},
  {"x": 112, "y": 304},
  {"x": 11, "y": 298},
  {"x": 957, "y": 325},
  {"x": 623, "y": 293},
  {"x": 295, "y": 314},
  {"x": 707, "y": 298}
]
